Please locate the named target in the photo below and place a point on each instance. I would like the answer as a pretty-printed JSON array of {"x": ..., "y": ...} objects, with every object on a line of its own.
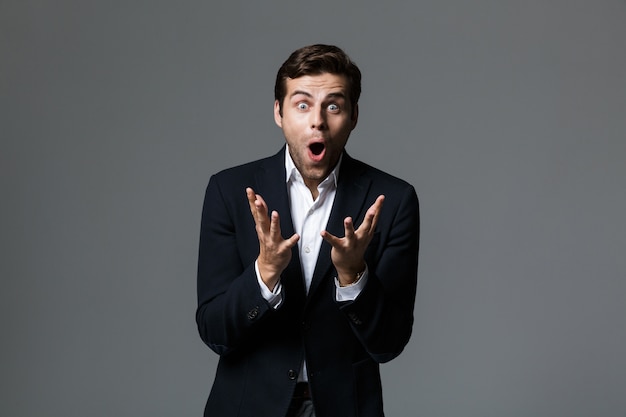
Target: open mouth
[{"x": 317, "y": 148}]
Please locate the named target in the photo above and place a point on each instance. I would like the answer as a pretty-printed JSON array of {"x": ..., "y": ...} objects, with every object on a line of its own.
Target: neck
[{"x": 312, "y": 186}]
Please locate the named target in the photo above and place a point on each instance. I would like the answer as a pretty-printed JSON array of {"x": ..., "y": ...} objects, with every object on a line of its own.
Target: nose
[{"x": 318, "y": 119}]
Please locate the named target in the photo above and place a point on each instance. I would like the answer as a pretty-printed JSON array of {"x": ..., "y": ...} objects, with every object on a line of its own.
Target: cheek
[
  {"x": 295, "y": 128},
  {"x": 343, "y": 131}
]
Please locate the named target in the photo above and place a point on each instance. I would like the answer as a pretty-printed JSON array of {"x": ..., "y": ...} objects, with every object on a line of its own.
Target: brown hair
[{"x": 315, "y": 60}]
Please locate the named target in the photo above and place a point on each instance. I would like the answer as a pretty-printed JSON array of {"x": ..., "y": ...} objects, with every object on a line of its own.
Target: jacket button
[
  {"x": 355, "y": 319},
  {"x": 292, "y": 374},
  {"x": 252, "y": 314}
]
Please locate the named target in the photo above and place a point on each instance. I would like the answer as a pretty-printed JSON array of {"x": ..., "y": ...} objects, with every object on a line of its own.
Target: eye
[
  {"x": 302, "y": 106},
  {"x": 333, "y": 107}
]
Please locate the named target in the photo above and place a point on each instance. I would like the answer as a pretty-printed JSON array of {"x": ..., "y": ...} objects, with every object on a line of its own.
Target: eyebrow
[{"x": 307, "y": 94}]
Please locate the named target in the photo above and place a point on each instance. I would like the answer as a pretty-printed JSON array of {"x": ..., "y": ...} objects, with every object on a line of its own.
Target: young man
[{"x": 307, "y": 268}]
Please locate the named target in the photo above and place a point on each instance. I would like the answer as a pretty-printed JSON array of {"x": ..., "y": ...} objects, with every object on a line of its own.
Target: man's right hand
[{"x": 274, "y": 251}]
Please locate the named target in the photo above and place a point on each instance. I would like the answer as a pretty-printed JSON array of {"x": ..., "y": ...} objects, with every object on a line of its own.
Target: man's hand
[
  {"x": 347, "y": 252},
  {"x": 275, "y": 252}
]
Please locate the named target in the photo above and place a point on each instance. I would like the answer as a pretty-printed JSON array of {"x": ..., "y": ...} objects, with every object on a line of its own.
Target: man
[{"x": 308, "y": 260}]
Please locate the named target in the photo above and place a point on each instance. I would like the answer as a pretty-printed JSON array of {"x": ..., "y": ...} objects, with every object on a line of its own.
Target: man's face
[{"x": 317, "y": 120}]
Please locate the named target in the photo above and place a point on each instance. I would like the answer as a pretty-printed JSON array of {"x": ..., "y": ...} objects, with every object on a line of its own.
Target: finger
[
  {"x": 250, "y": 194},
  {"x": 258, "y": 208},
  {"x": 275, "y": 225},
  {"x": 378, "y": 208},
  {"x": 254, "y": 199},
  {"x": 330, "y": 238},
  {"x": 371, "y": 217},
  {"x": 348, "y": 228},
  {"x": 292, "y": 240},
  {"x": 261, "y": 205}
]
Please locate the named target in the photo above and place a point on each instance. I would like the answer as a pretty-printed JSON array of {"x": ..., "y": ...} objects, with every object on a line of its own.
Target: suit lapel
[
  {"x": 271, "y": 185},
  {"x": 352, "y": 188}
]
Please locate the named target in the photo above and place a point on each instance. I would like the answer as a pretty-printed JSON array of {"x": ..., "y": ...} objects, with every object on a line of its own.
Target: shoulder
[
  {"x": 246, "y": 172},
  {"x": 245, "y": 169},
  {"x": 357, "y": 177},
  {"x": 356, "y": 168}
]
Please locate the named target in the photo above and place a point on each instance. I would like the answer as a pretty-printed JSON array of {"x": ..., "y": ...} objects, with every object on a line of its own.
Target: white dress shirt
[{"x": 310, "y": 218}]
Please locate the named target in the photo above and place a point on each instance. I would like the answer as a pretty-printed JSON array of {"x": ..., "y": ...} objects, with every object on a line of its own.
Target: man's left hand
[{"x": 348, "y": 252}]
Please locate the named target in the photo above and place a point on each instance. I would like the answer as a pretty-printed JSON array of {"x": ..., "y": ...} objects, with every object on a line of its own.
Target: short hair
[{"x": 314, "y": 60}]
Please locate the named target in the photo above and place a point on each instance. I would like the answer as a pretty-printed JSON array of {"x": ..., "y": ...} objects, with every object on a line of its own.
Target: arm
[
  {"x": 382, "y": 315},
  {"x": 231, "y": 307}
]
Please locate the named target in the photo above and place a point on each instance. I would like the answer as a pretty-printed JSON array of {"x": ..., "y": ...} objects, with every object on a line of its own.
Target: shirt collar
[{"x": 293, "y": 173}]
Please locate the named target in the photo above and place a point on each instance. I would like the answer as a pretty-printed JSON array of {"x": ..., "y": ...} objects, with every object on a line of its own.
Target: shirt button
[
  {"x": 292, "y": 374},
  {"x": 307, "y": 249}
]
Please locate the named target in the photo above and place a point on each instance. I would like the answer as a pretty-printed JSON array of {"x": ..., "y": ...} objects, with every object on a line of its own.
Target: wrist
[
  {"x": 346, "y": 278},
  {"x": 269, "y": 277}
]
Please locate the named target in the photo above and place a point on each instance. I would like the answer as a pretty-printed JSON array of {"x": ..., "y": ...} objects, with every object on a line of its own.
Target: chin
[{"x": 316, "y": 174}]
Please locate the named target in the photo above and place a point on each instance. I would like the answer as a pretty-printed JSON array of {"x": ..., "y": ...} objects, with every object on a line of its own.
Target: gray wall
[{"x": 507, "y": 116}]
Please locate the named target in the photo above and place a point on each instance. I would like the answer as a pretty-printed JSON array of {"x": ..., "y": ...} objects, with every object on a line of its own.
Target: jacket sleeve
[
  {"x": 382, "y": 314},
  {"x": 230, "y": 304}
]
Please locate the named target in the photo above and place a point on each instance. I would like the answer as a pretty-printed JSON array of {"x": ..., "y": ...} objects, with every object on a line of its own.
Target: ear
[
  {"x": 277, "y": 117},
  {"x": 355, "y": 115}
]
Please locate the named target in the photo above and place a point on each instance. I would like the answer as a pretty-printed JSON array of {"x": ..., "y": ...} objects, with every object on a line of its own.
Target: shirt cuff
[
  {"x": 274, "y": 298},
  {"x": 352, "y": 291}
]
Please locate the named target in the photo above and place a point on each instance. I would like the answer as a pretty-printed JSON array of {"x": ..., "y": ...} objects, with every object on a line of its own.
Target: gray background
[{"x": 507, "y": 116}]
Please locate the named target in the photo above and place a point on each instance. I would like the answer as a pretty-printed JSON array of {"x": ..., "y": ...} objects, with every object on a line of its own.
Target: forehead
[{"x": 319, "y": 84}]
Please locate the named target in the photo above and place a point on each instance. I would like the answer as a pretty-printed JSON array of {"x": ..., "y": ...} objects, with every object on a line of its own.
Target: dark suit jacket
[{"x": 261, "y": 349}]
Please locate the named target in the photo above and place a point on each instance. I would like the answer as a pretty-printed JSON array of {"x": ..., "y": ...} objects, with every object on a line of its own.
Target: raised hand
[
  {"x": 347, "y": 253},
  {"x": 274, "y": 251}
]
